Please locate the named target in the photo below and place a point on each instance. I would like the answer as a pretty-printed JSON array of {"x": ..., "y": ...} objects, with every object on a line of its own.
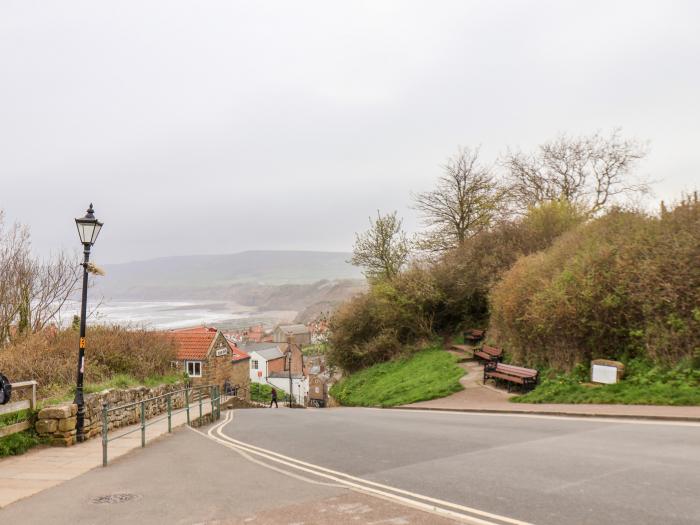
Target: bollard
[
  {"x": 105, "y": 428},
  {"x": 170, "y": 414},
  {"x": 187, "y": 404},
  {"x": 143, "y": 424}
]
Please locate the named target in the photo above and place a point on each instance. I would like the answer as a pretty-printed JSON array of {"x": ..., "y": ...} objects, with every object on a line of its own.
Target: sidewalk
[
  {"x": 44, "y": 467},
  {"x": 477, "y": 397}
]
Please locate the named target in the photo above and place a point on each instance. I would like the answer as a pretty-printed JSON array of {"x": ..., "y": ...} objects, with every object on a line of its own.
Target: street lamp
[{"x": 88, "y": 230}]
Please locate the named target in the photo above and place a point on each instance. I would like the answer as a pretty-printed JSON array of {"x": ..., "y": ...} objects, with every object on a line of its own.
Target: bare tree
[
  {"x": 32, "y": 292},
  {"x": 465, "y": 201},
  {"x": 588, "y": 171},
  {"x": 383, "y": 249}
]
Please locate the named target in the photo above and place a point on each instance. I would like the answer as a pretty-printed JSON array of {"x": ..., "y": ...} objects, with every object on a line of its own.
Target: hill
[{"x": 211, "y": 276}]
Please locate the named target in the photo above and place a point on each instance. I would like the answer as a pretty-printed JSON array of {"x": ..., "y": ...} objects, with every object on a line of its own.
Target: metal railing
[{"x": 194, "y": 399}]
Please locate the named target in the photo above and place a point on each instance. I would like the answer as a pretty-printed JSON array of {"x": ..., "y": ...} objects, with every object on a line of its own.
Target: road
[
  {"x": 536, "y": 469},
  {"x": 390, "y": 467}
]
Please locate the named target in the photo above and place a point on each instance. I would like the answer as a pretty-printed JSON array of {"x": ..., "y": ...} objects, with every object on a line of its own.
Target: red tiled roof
[
  {"x": 237, "y": 354},
  {"x": 193, "y": 345}
]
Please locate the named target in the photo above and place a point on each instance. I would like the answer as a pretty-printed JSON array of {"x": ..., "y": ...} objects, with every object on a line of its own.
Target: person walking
[{"x": 274, "y": 398}]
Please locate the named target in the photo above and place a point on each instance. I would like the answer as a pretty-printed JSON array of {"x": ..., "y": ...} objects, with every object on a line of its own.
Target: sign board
[
  {"x": 221, "y": 351},
  {"x": 604, "y": 374}
]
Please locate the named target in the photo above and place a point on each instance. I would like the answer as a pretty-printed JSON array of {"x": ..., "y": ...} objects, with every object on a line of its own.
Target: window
[
  {"x": 254, "y": 364},
  {"x": 193, "y": 368}
]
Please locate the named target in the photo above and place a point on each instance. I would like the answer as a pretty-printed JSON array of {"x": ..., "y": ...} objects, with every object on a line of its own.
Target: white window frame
[
  {"x": 194, "y": 363},
  {"x": 254, "y": 364}
]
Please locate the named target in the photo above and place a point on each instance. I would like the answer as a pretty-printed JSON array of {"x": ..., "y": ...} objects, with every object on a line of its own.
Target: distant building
[{"x": 295, "y": 333}]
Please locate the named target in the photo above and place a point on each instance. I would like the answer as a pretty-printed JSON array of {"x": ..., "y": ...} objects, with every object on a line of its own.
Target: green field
[{"x": 428, "y": 374}]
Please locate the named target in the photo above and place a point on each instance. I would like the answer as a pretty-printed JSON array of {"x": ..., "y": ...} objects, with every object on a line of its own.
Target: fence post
[
  {"x": 200, "y": 405},
  {"x": 211, "y": 400},
  {"x": 218, "y": 403},
  {"x": 33, "y": 405},
  {"x": 170, "y": 414},
  {"x": 105, "y": 428},
  {"x": 143, "y": 423},
  {"x": 187, "y": 404}
]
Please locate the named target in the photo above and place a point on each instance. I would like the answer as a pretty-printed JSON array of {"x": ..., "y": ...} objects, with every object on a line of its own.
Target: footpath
[
  {"x": 44, "y": 467},
  {"x": 478, "y": 397}
]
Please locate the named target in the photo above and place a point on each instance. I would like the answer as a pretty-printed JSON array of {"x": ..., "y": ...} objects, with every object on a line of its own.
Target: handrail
[
  {"x": 189, "y": 389},
  {"x": 214, "y": 396}
]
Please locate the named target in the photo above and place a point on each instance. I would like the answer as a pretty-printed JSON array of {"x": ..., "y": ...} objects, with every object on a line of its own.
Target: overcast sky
[{"x": 222, "y": 126}]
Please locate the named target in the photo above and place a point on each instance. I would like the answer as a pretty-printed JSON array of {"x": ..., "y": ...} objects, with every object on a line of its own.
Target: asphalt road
[
  {"x": 187, "y": 479},
  {"x": 535, "y": 469}
]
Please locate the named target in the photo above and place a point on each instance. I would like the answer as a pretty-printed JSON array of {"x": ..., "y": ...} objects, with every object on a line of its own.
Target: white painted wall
[
  {"x": 262, "y": 367},
  {"x": 300, "y": 387}
]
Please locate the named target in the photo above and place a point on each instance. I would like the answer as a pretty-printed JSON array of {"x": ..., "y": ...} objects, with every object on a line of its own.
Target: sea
[{"x": 166, "y": 315}]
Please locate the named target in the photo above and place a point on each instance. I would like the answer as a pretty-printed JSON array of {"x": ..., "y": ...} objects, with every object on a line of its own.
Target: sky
[{"x": 224, "y": 126}]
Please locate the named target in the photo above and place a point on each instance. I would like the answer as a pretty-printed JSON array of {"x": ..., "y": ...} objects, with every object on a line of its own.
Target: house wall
[
  {"x": 262, "y": 367},
  {"x": 275, "y": 365},
  {"x": 300, "y": 387},
  {"x": 217, "y": 369}
]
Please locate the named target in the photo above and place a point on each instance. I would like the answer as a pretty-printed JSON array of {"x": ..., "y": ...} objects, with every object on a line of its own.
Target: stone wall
[{"x": 57, "y": 423}]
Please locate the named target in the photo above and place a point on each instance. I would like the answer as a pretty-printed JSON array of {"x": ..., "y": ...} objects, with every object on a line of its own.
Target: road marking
[
  {"x": 596, "y": 419},
  {"x": 425, "y": 503}
]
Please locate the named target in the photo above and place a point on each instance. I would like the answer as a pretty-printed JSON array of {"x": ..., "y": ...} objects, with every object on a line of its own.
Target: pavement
[
  {"x": 477, "y": 397},
  {"x": 44, "y": 467}
]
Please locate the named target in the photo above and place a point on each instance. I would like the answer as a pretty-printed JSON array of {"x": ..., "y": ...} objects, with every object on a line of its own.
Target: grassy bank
[
  {"x": 643, "y": 384},
  {"x": 429, "y": 374}
]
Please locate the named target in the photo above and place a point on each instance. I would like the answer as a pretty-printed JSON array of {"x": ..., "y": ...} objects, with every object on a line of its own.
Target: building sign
[
  {"x": 221, "y": 351},
  {"x": 604, "y": 374}
]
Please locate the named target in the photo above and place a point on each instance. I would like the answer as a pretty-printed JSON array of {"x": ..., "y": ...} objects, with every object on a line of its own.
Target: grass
[
  {"x": 315, "y": 349},
  {"x": 644, "y": 384},
  {"x": 263, "y": 393},
  {"x": 116, "y": 381},
  {"x": 15, "y": 417},
  {"x": 18, "y": 443},
  {"x": 428, "y": 374}
]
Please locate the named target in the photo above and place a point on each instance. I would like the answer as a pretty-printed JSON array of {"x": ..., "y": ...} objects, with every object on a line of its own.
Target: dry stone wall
[{"x": 57, "y": 423}]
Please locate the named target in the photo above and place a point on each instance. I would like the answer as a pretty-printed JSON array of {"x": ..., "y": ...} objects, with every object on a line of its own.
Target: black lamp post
[{"x": 88, "y": 230}]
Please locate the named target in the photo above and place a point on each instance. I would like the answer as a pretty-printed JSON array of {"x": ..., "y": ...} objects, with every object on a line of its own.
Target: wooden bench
[
  {"x": 473, "y": 335},
  {"x": 489, "y": 353},
  {"x": 513, "y": 375}
]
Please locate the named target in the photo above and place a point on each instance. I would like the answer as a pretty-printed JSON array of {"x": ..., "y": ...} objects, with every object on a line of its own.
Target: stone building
[
  {"x": 295, "y": 333},
  {"x": 209, "y": 359}
]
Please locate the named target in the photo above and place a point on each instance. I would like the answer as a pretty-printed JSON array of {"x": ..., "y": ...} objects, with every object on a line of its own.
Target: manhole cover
[{"x": 116, "y": 498}]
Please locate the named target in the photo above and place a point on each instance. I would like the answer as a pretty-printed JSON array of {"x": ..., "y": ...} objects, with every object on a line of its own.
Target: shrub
[
  {"x": 51, "y": 359},
  {"x": 620, "y": 286}
]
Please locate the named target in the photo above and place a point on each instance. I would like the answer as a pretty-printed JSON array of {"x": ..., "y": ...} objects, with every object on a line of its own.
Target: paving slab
[{"x": 44, "y": 467}]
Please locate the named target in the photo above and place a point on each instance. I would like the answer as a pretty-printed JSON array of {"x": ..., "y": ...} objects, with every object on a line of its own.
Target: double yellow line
[{"x": 293, "y": 467}]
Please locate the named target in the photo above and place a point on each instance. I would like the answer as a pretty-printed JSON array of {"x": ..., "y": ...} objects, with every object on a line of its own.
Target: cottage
[
  {"x": 209, "y": 359},
  {"x": 265, "y": 358}
]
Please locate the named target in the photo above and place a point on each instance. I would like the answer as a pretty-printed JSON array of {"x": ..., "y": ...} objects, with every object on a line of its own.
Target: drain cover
[{"x": 121, "y": 497}]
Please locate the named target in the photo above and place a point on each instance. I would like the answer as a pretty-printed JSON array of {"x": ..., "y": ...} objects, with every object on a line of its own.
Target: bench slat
[{"x": 506, "y": 377}]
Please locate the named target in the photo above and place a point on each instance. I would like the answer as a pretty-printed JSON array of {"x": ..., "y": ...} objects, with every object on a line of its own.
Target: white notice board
[{"x": 604, "y": 374}]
